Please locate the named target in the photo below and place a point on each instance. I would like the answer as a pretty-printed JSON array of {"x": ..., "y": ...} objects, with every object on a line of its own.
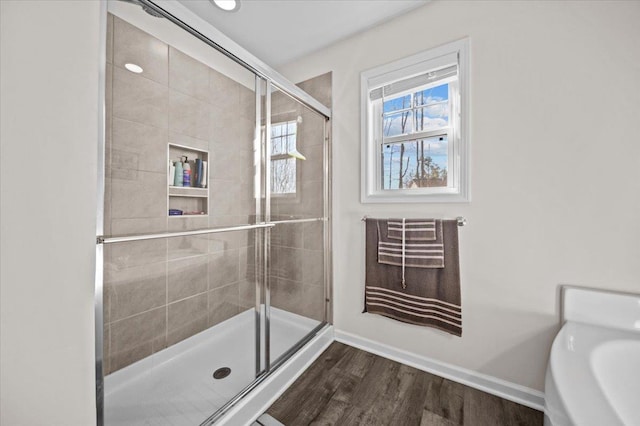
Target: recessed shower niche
[
  {"x": 191, "y": 196},
  {"x": 239, "y": 279}
]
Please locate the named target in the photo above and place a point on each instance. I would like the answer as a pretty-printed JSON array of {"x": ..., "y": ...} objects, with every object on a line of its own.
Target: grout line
[
  {"x": 188, "y": 297},
  {"x": 135, "y": 315}
]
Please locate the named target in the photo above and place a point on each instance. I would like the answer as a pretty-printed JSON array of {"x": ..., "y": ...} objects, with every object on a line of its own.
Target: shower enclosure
[{"x": 205, "y": 285}]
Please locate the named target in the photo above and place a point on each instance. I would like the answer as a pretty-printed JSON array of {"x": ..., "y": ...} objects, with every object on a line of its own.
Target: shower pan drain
[{"x": 221, "y": 373}]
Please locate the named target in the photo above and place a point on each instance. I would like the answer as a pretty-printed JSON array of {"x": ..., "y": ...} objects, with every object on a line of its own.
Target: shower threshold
[{"x": 176, "y": 385}]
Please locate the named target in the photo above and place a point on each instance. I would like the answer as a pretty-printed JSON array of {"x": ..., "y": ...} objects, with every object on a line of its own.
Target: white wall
[
  {"x": 555, "y": 181},
  {"x": 49, "y": 121}
]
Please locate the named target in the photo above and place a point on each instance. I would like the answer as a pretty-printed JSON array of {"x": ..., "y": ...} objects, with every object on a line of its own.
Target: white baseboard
[
  {"x": 260, "y": 399},
  {"x": 507, "y": 390}
]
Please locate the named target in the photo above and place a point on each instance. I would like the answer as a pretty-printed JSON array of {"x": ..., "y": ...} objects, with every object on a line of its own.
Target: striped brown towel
[
  {"x": 430, "y": 298},
  {"x": 416, "y": 254},
  {"x": 415, "y": 229}
]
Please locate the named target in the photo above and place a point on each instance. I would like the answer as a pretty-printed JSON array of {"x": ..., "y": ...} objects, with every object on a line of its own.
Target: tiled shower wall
[{"x": 160, "y": 292}]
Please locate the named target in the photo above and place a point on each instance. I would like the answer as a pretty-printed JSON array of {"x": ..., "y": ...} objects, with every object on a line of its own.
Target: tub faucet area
[{"x": 593, "y": 375}]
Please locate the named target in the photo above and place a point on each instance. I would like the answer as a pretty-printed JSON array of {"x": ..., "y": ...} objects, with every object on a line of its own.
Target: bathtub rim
[{"x": 565, "y": 389}]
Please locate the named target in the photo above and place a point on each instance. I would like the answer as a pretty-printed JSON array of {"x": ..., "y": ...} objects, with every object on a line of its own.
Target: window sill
[{"x": 414, "y": 198}]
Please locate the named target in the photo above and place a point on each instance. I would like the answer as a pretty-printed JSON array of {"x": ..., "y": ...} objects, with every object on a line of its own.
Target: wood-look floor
[{"x": 348, "y": 386}]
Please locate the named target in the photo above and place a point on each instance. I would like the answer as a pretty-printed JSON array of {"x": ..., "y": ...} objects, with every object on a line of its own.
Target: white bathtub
[{"x": 593, "y": 375}]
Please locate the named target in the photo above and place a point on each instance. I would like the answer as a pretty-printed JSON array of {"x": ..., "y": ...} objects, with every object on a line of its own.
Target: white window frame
[{"x": 458, "y": 188}]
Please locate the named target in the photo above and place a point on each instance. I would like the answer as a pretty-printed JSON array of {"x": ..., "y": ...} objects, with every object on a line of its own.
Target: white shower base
[{"x": 175, "y": 386}]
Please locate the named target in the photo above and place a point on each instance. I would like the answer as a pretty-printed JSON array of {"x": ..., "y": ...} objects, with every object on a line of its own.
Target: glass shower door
[{"x": 296, "y": 157}]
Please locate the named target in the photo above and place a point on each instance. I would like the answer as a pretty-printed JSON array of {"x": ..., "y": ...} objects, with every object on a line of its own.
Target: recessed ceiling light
[
  {"x": 227, "y": 5},
  {"x": 133, "y": 68}
]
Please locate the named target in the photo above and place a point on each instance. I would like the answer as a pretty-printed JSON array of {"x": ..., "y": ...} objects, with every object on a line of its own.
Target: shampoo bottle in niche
[
  {"x": 197, "y": 175},
  {"x": 203, "y": 182},
  {"x": 186, "y": 180},
  {"x": 172, "y": 173},
  {"x": 179, "y": 174}
]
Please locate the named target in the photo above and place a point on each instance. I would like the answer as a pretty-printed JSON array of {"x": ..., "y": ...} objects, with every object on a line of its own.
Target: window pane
[
  {"x": 416, "y": 164},
  {"x": 291, "y": 142},
  {"x": 432, "y": 117},
  {"x": 398, "y": 123},
  {"x": 283, "y": 176},
  {"x": 291, "y": 128},
  {"x": 432, "y": 95},
  {"x": 276, "y": 146},
  {"x": 276, "y": 130},
  {"x": 396, "y": 104}
]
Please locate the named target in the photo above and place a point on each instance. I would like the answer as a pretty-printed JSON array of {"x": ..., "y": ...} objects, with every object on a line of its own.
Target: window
[
  {"x": 283, "y": 165},
  {"x": 414, "y": 140}
]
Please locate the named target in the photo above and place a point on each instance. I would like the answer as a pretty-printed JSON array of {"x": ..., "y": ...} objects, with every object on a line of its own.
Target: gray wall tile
[
  {"x": 129, "y": 226},
  {"x": 286, "y": 263},
  {"x": 180, "y": 139},
  {"x": 247, "y": 263},
  {"x": 312, "y": 267},
  {"x": 312, "y": 168},
  {"x": 312, "y": 196},
  {"x": 137, "y": 253},
  {"x": 223, "y": 304},
  {"x": 188, "y": 116},
  {"x": 139, "y": 99},
  {"x": 145, "y": 196},
  {"x": 186, "y": 318},
  {"x": 132, "y": 45},
  {"x": 222, "y": 203},
  {"x": 188, "y": 76},
  {"x": 293, "y": 296},
  {"x": 311, "y": 130},
  {"x": 140, "y": 146},
  {"x": 181, "y": 247},
  {"x": 287, "y": 294},
  {"x": 137, "y": 337},
  {"x": 187, "y": 277},
  {"x": 247, "y": 294},
  {"x": 313, "y": 302},
  {"x": 288, "y": 235},
  {"x": 313, "y": 235},
  {"x": 223, "y": 268},
  {"x": 228, "y": 240},
  {"x": 319, "y": 87},
  {"x": 136, "y": 290},
  {"x": 228, "y": 126},
  {"x": 223, "y": 91},
  {"x": 229, "y": 162},
  {"x": 188, "y": 223}
]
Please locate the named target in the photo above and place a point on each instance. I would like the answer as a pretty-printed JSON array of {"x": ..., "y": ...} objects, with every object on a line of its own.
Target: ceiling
[{"x": 279, "y": 31}]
